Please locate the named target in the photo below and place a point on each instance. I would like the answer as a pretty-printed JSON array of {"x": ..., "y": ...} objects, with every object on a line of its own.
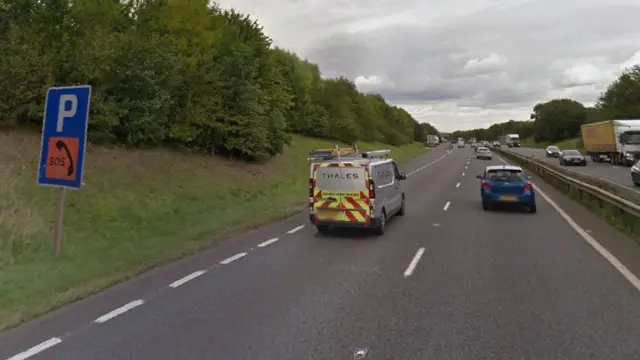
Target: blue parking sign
[{"x": 64, "y": 136}]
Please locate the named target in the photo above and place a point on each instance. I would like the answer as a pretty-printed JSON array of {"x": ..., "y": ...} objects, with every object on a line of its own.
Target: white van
[{"x": 352, "y": 189}]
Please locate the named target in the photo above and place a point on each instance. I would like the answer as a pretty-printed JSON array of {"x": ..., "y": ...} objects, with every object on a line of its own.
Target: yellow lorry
[{"x": 617, "y": 141}]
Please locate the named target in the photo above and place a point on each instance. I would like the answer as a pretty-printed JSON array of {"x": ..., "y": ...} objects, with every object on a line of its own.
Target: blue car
[{"x": 506, "y": 184}]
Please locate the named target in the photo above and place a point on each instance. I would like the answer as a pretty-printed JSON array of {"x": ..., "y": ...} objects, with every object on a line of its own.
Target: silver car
[
  {"x": 483, "y": 153},
  {"x": 572, "y": 157}
]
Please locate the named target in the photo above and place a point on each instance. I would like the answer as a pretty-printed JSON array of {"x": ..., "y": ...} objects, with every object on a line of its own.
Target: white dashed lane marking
[
  {"x": 36, "y": 349},
  {"x": 187, "y": 278},
  {"x": 119, "y": 311},
  {"x": 414, "y": 263},
  {"x": 268, "y": 242},
  {"x": 446, "y": 206},
  {"x": 295, "y": 229},
  {"x": 458, "y": 185},
  {"x": 233, "y": 258}
]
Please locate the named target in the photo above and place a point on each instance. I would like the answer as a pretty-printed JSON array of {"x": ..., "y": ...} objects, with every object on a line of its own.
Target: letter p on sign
[{"x": 63, "y": 113}]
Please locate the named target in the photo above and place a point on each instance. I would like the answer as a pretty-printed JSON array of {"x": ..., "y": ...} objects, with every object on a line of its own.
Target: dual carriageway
[{"x": 446, "y": 281}]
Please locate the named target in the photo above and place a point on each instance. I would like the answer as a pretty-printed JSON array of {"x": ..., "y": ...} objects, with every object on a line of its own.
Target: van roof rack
[
  {"x": 338, "y": 153},
  {"x": 335, "y": 153}
]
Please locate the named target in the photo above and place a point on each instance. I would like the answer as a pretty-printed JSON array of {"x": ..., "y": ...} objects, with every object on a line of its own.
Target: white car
[{"x": 483, "y": 153}]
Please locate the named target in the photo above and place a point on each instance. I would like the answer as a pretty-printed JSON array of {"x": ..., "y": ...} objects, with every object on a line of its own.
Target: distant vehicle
[
  {"x": 352, "y": 189},
  {"x": 511, "y": 140},
  {"x": 496, "y": 144},
  {"x": 461, "y": 143},
  {"x": 433, "y": 140},
  {"x": 572, "y": 157},
  {"x": 553, "y": 151},
  {"x": 506, "y": 184},
  {"x": 635, "y": 173},
  {"x": 483, "y": 153},
  {"x": 617, "y": 141}
]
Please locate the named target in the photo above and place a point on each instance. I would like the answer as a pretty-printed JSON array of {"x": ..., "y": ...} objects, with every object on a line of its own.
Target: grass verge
[
  {"x": 575, "y": 143},
  {"x": 137, "y": 210}
]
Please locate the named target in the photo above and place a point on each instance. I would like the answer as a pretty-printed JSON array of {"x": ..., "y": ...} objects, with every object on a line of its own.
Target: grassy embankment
[
  {"x": 137, "y": 209},
  {"x": 575, "y": 143}
]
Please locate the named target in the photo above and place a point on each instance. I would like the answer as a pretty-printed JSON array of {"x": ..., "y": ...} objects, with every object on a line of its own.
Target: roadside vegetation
[
  {"x": 173, "y": 83},
  {"x": 557, "y": 122},
  {"x": 575, "y": 143}
]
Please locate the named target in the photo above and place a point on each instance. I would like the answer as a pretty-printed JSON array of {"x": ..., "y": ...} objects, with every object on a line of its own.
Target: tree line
[
  {"x": 182, "y": 73},
  {"x": 560, "y": 119}
]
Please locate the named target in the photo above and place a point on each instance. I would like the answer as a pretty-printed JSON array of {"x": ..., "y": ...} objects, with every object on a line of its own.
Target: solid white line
[
  {"x": 119, "y": 311},
  {"x": 458, "y": 185},
  {"x": 296, "y": 229},
  {"x": 233, "y": 258},
  {"x": 187, "y": 278},
  {"x": 429, "y": 164},
  {"x": 589, "y": 239},
  {"x": 268, "y": 242},
  {"x": 446, "y": 206},
  {"x": 414, "y": 263},
  {"x": 36, "y": 349}
]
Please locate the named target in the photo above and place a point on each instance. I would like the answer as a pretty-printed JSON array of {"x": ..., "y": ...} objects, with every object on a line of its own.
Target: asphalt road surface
[
  {"x": 605, "y": 171},
  {"x": 447, "y": 281}
]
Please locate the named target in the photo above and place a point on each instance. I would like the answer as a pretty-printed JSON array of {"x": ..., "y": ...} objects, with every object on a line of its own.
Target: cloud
[
  {"x": 490, "y": 64},
  {"x": 460, "y": 64}
]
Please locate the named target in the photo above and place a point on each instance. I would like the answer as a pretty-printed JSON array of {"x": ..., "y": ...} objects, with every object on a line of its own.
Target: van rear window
[{"x": 340, "y": 179}]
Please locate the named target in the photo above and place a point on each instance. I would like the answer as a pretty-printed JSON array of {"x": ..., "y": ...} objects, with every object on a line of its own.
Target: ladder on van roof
[{"x": 337, "y": 153}]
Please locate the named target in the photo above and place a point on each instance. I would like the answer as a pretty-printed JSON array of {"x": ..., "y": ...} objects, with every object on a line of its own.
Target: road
[
  {"x": 447, "y": 281},
  {"x": 604, "y": 171}
]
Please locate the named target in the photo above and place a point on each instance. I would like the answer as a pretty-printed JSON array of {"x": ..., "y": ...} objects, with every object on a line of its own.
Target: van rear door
[{"x": 342, "y": 192}]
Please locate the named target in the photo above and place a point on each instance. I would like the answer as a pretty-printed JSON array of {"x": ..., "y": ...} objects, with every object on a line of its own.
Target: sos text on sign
[{"x": 64, "y": 136}]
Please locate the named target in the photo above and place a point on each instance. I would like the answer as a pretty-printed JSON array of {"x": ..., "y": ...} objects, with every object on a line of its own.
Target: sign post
[{"x": 63, "y": 145}]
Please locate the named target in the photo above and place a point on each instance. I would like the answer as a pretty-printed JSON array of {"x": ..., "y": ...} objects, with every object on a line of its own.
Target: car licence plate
[{"x": 508, "y": 198}]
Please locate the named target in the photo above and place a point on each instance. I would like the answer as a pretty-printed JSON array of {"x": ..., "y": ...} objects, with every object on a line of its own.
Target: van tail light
[
  {"x": 372, "y": 190},
  {"x": 528, "y": 187},
  {"x": 312, "y": 185},
  {"x": 486, "y": 186}
]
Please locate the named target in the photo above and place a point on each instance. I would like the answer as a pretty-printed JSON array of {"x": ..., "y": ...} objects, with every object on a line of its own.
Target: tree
[
  {"x": 621, "y": 100},
  {"x": 558, "y": 119},
  {"x": 184, "y": 73},
  {"x": 493, "y": 132}
]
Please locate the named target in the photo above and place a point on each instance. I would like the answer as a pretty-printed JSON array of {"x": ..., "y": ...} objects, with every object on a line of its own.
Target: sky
[{"x": 460, "y": 64}]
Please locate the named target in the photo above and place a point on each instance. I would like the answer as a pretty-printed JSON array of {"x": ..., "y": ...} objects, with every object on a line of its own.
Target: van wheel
[
  {"x": 383, "y": 224},
  {"x": 402, "y": 210},
  {"x": 532, "y": 208},
  {"x": 486, "y": 206},
  {"x": 323, "y": 229}
]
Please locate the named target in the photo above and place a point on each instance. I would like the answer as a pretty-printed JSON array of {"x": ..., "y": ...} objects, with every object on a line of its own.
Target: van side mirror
[
  {"x": 479, "y": 177},
  {"x": 403, "y": 176}
]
